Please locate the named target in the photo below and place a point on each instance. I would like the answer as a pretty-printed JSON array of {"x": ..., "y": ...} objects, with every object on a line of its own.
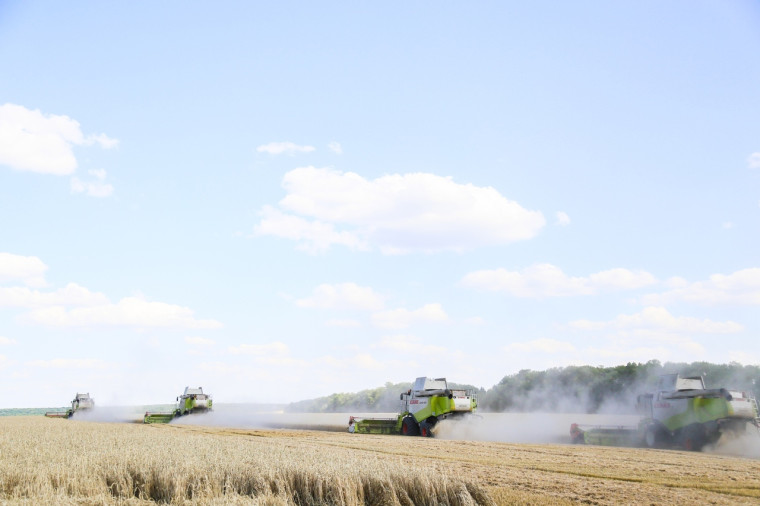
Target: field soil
[{"x": 76, "y": 462}]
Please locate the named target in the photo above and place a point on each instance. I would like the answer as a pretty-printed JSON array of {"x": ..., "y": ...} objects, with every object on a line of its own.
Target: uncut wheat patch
[{"x": 60, "y": 461}]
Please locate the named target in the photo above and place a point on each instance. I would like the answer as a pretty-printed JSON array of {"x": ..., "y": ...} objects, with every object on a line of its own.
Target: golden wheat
[
  {"x": 58, "y": 461},
  {"x": 73, "y": 462}
]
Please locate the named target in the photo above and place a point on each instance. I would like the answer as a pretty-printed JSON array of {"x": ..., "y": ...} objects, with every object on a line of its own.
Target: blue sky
[{"x": 277, "y": 202}]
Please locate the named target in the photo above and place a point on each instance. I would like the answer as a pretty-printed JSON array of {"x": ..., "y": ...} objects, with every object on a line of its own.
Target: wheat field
[{"x": 53, "y": 461}]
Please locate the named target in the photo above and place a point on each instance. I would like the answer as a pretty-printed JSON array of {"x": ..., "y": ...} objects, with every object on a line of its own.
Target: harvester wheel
[
  {"x": 409, "y": 427},
  {"x": 426, "y": 429},
  {"x": 694, "y": 438},
  {"x": 653, "y": 437}
]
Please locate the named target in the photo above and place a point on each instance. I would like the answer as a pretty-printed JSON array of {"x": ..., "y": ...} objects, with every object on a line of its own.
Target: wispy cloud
[
  {"x": 753, "y": 162},
  {"x": 546, "y": 280},
  {"x": 287, "y": 148},
  {"x": 343, "y": 296},
  {"x": 740, "y": 288},
  {"x": 562, "y": 218},
  {"x": 543, "y": 345},
  {"x": 273, "y": 348},
  {"x": 128, "y": 312},
  {"x": 659, "y": 320},
  {"x": 397, "y": 213},
  {"x": 70, "y": 363},
  {"x": 71, "y": 295},
  {"x": 408, "y": 344},
  {"x": 199, "y": 341},
  {"x": 402, "y": 318},
  {"x": 335, "y": 147},
  {"x": 96, "y": 187}
]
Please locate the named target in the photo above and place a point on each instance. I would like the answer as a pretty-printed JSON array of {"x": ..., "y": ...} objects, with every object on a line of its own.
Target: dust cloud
[
  {"x": 537, "y": 428},
  {"x": 743, "y": 444},
  {"x": 108, "y": 414}
]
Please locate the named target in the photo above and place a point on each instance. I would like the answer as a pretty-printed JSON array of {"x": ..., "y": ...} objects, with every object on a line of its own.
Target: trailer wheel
[{"x": 409, "y": 427}]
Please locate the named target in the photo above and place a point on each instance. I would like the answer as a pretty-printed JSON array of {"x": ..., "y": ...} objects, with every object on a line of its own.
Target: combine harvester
[
  {"x": 422, "y": 407},
  {"x": 192, "y": 401},
  {"x": 81, "y": 402},
  {"x": 682, "y": 413}
]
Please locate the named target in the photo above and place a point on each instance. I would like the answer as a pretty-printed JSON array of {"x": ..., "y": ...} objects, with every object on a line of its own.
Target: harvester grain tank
[
  {"x": 428, "y": 402},
  {"x": 193, "y": 400},
  {"x": 681, "y": 413},
  {"x": 81, "y": 402}
]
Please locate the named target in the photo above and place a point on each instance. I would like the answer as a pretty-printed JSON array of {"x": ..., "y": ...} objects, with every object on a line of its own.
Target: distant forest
[{"x": 570, "y": 389}]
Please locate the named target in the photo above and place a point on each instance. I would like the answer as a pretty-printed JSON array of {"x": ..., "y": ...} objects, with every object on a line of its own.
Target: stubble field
[{"x": 56, "y": 461}]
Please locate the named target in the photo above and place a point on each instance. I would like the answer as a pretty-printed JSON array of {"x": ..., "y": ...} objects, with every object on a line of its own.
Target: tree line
[{"x": 589, "y": 389}]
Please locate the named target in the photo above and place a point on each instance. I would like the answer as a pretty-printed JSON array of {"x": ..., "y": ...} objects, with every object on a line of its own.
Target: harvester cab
[
  {"x": 424, "y": 405},
  {"x": 81, "y": 402},
  {"x": 193, "y": 400}
]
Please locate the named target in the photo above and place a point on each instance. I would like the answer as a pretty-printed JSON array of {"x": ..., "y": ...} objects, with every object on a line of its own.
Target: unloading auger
[{"x": 192, "y": 401}]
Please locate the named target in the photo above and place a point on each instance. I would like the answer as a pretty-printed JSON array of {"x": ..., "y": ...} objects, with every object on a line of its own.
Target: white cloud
[
  {"x": 403, "y": 318},
  {"x": 540, "y": 346},
  {"x": 753, "y": 162},
  {"x": 546, "y": 280},
  {"x": 95, "y": 188},
  {"x": 70, "y": 363},
  {"x": 4, "y": 341},
  {"x": 36, "y": 142},
  {"x": 71, "y": 295},
  {"x": 335, "y": 147},
  {"x": 657, "y": 320},
  {"x": 739, "y": 288},
  {"x": 28, "y": 270},
  {"x": 397, "y": 213},
  {"x": 199, "y": 341},
  {"x": 562, "y": 218},
  {"x": 343, "y": 296},
  {"x": 128, "y": 312},
  {"x": 278, "y": 148},
  {"x": 313, "y": 236}
]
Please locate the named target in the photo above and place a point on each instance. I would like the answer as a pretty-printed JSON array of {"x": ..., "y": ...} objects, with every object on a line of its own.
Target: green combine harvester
[
  {"x": 422, "y": 407},
  {"x": 192, "y": 401},
  {"x": 81, "y": 402},
  {"x": 682, "y": 413}
]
